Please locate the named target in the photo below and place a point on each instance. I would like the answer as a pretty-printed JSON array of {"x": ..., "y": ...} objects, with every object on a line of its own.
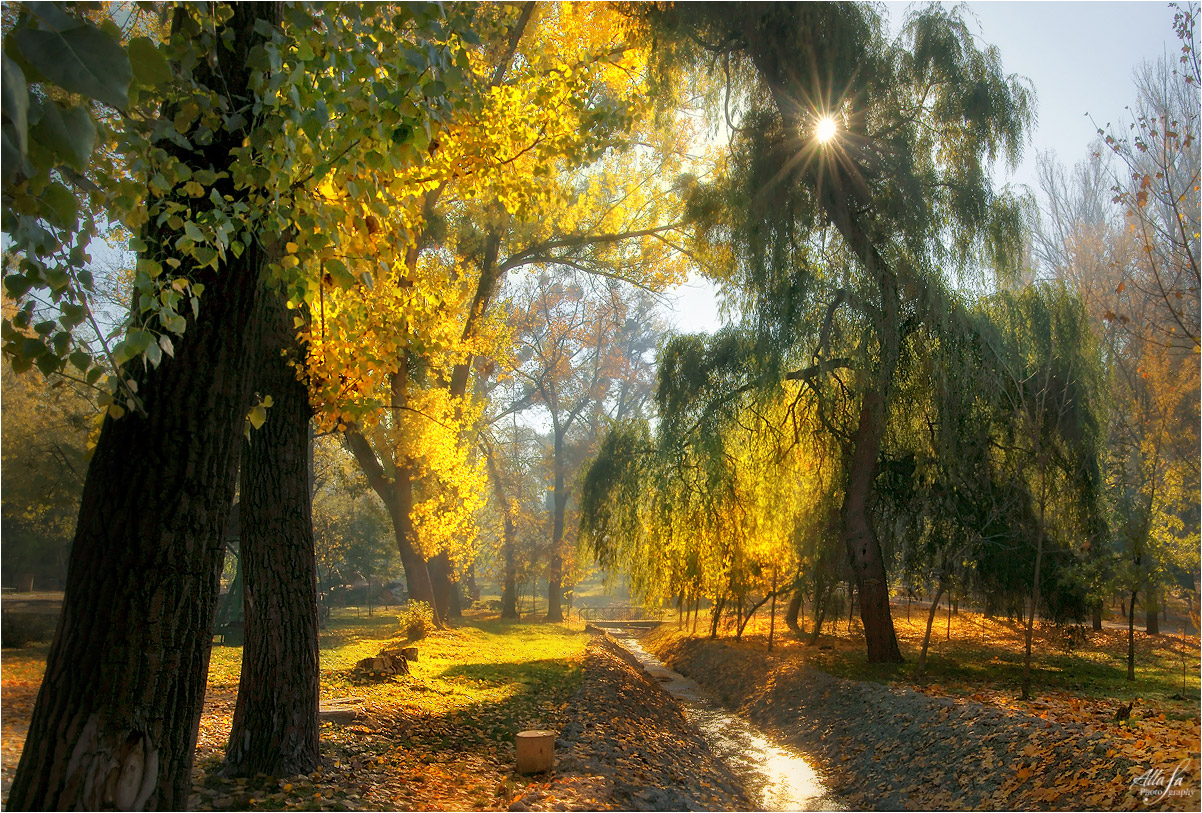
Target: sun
[{"x": 825, "y": 130}]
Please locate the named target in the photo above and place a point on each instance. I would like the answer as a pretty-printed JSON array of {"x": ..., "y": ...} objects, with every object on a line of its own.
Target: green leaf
[
  {"x": 338, "y": 273},
  {"x": 15, "y": 101},
  {"x": 72, "y": 315},
  {"x": 48, "y": 363},
  {"x": 83, "y": 60},
  {"x": 149, "y": 66},
  {"x": 154, "y": 354},
  {"x": 149, "y": 267},
  {"x": 81, "y": 360},
  {"x": 193, "y": 231},
  {"x": 166, "y": 345},
  {"x": 69, "y": 133},
  {"x": 61, "y": 207},
  {"x": 205, "y": 255}
]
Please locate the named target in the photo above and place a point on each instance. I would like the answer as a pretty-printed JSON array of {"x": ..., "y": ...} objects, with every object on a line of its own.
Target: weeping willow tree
[
  {"x": 702, "y": 515},
  {"x": 858, "y": 192}
]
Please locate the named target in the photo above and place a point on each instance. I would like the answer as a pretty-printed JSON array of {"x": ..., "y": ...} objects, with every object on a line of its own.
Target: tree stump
[
  {"x": 409, "y": 653},
  {"x": 386, "y": 663},
  {"x": 536, "y": 751}
]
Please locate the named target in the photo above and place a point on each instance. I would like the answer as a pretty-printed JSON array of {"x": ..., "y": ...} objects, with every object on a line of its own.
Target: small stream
[{"x": 775, "y": 777}]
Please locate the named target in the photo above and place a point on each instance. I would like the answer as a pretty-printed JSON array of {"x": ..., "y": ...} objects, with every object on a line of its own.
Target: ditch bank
[
  {"x": 628, "y": 746},
  {"x": 883, "y": 747}
]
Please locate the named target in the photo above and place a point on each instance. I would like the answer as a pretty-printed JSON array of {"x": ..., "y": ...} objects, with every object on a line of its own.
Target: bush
[
  {"x": 417, "y": 619},
  {"x": 19, "y": 629}
]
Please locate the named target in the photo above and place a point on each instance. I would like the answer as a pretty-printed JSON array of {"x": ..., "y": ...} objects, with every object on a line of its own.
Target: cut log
[
  {"x": 342, "y": 710},
  {"x": 536, "y": 751},
  {"x": 409, "y": 653}
]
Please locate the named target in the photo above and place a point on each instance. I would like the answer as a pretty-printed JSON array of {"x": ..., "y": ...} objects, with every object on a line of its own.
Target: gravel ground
[
  {"x": 889, "y": 748},
  {"x": 628, "y": 747}
]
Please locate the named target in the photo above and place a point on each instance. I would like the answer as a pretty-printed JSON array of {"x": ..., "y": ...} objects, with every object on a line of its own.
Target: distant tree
[{"x": 46, "y": 426}]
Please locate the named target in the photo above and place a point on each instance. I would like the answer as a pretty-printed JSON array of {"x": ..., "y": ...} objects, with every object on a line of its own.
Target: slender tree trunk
[
  {"x": 275, "y": 723},
  {"x": 555, "y": 569},
  {"x": 794, "y": 610},
  {"x": 117, "y": 715},
  {"x": 1152, "y": 612},
  {"x": 716, "y": 615},
  {"x": 1131, "y": 638},
  {"x": 509, "y": 589},
  {"x": 696, "y": 608},
  {"x": 1035, "y": 598},
  {"x": 772, "y": 618},
  {"x": 1096, "y": 616},
  {"x": 926, "y": 639}
]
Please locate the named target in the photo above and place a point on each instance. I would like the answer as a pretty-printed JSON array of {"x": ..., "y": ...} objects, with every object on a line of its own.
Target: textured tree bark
[
  {"x": 1131, "y": 638},
  {"x": 926, "y": 638},
  {"x": 117, "y": 715},
  {"x": 509, "y": 587},
  {"x": 397, "y": 495},
  {"x": 793, "y": 611},
  {"x": 555, "y": 568},
  {"x": 1152, "y": 613},
  {"x": 861, "y": 543},
  {"x": 444, "y": 587},
  {"x": 275, "y": 726}
]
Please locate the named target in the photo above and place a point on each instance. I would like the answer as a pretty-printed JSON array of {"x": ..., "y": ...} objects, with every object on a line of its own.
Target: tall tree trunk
[
  {"x": 1035, "y": 598},
  {"x": 275, "y": 723},
  {"x": 509, "y": 589},
  {"x": 555, "y": 568},
  {"x": 861, "y": 543},
  {"x": 716, "y": 615},
  {"x": 1096, "y": 616},
  {"x": 117, "y": 715},
  {"x": 1131, "y": 638},
  {"x": 444, "y": 586},
  {"x": 417, "y": 573},
  {"x": 396, "y": 493},
  {"x": 926, "y": 639},
  {"x": 1152, "y": 612},
  {"x": 863, "y": 548}
]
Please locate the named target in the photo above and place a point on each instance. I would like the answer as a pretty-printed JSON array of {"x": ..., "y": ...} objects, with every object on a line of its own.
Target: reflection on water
[{"x": 775, "y": 777}]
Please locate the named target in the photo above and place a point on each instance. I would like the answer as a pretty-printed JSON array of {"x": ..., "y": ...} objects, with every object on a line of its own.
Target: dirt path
[
  {"x": 627, "y": 746},
  {"x": 890, "y": 748}
]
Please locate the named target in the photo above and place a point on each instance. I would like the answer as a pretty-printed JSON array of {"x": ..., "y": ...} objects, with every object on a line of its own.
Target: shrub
[
  {"x": 19, "y": 629},
  {"x": 417, "y": 619}
]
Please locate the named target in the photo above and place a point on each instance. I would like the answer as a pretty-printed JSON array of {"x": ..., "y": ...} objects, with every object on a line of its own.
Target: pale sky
[{"x": 1080, "y": 56}]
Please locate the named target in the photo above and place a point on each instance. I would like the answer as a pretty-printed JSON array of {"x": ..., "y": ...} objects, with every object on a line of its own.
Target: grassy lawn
[{"x": 438, "y": 738}]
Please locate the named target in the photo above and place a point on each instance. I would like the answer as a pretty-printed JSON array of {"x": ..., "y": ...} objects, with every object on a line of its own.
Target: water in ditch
[{"x": 776, "y": 777}]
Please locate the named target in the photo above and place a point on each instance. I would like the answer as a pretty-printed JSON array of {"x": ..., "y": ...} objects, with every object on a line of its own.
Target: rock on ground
[{"x": 628, "y": 746}]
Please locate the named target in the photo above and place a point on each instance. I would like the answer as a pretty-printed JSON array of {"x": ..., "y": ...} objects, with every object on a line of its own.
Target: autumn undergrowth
[{"x": 978, "y": 654}]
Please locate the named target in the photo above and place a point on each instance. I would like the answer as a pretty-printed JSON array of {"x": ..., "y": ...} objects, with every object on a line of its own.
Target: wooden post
[{"x": 536, "y": 751}]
